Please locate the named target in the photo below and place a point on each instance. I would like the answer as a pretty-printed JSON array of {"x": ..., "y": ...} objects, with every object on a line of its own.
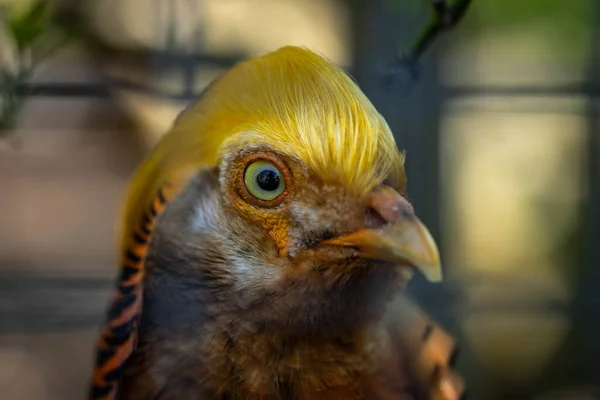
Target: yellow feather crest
[{"x": 293, "y": 100}]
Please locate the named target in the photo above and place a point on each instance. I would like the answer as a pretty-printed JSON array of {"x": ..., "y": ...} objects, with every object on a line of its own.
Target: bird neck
[{"x": 309, "y": 363}]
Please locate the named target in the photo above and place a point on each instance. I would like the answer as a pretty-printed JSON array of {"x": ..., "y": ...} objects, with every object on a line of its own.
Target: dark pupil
[{"x": 267, "y": 180}]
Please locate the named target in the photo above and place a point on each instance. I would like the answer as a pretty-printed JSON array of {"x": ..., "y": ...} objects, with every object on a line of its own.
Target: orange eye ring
[{"x": 241, "y": 182}]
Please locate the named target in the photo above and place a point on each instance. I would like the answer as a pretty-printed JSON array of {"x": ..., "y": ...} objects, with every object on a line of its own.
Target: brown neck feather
[{"x": 300, "y": 365}]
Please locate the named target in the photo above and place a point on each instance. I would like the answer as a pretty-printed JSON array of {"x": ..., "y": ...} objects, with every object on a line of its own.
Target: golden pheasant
[{"x": 266, "y": 242}]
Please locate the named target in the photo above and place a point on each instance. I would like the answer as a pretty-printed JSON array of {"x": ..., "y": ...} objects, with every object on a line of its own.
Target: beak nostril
[
  {"x": 387, "y": 203},
  {"x": 406, "y": 214}
]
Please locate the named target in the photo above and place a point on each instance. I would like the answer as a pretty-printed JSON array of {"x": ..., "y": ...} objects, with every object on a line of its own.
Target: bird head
[{"x": 305, "y": 206}]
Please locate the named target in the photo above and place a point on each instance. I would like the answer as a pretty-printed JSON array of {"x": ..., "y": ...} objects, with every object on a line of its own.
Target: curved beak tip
[{"x": 433, "y": 274}]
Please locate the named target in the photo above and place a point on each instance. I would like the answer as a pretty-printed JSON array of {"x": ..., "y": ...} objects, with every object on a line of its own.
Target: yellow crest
[{"x": 295, "y": 101}]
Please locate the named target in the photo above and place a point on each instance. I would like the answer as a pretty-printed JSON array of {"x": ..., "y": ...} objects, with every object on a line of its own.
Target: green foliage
[
  {"x": 567, "y": 25},
  {"x": 10, "y": 100},
  {"x": 30, "y": 26},
  {"x": 519, "y": 12},
  {"x": 33, "y": 33}
]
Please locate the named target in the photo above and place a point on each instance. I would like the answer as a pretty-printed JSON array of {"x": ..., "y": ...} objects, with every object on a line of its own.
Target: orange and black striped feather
[{"x": 118, "y": 338}]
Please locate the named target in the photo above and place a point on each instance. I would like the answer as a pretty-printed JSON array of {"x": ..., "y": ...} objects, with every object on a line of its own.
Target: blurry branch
[
  {"x": 444, "y": 18},
  {"x": 32, "y": 38},
  {"x": 404, "y": 71}
]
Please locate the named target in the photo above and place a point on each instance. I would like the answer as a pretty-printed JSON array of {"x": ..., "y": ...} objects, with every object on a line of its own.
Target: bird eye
[{"x": 263, "y": 180}]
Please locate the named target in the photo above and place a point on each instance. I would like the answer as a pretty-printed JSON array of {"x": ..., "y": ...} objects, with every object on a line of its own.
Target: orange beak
[{"x": 402, "y": 240}]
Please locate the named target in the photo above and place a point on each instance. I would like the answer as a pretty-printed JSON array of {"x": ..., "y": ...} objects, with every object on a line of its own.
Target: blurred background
[{"x": 501, "y": 124}]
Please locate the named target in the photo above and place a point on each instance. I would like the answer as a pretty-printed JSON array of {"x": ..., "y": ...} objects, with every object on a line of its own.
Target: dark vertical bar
[
  {"x": 587, "y": 302},
  {"x": 189, "y": 77},
  {"x": 415, "y": 117}
]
